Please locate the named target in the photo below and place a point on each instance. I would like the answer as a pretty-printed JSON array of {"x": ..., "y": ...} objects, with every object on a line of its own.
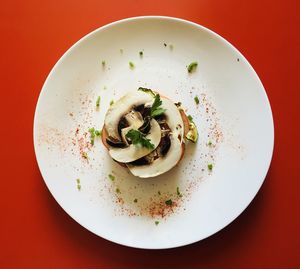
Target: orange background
[{"x": 36, "y": 233}]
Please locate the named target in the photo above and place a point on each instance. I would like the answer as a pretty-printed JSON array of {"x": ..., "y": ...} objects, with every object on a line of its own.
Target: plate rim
[{"x": 167, "y": 18}]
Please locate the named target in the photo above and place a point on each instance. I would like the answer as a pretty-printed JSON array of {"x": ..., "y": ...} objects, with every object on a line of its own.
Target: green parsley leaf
[
  {"x": 137, "y": 137},
  {"x": 156, "y": 110},
  {"x": 103, "y": 63},
  {"x": 118, "y": 190},
  {"x": 141, "y": 53},
  {"x": 209, "y": 143},
  {"x": 190, "y": 118},
  {"x": 192, "y": 67},
  {"x": 111, "y": 177},
  {"x": 178, "y": 192},
  {"x": 196, "y": 99},
  {"x": 147, "y": 91},
  {"x": 92, "y": 135},
  {"x": 97, "y": 133},
  {"x": 156, "y": 222},
  {"x": 210, "y": 167},
  {"x": 111, "y": 102},
  {"x": 169, "y": 202},
  {"x": 98, "y": 102},
  {"x": 131, "y": 65}
]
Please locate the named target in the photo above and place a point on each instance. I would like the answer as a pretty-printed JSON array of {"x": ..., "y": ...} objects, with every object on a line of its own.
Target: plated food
[
  {"x": 216, "y": 178},
  {"x": 146, "y": 132}
]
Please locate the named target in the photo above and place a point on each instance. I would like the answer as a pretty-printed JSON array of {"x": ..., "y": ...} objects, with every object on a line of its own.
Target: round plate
[{"x": 218, "y": 176}]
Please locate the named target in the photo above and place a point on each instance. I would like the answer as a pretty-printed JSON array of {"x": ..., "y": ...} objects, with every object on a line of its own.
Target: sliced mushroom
[
  {"x": 134, "y": 152},
  {"x": 121, "y": 108},
  {"x": 172, "y": 151}
]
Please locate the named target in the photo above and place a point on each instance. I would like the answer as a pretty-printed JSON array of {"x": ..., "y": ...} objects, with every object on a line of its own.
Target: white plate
[{"x": 234, "y": 112}]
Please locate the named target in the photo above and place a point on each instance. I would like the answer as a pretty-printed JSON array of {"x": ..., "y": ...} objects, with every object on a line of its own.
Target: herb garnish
[
  {"x": 93, "y": 134},
  {"x": 209, "y": 143},
  {"x": 210, "y": 167},
  {"x": 103, "y": 63},
  {"x": 190, "y": 118},
  {"x": 131, "y": 65},
  {"x": 192, "y": 67},
  {"x": 141, "y": 53},
  {"x": 111, "y": 102},
  {"x": 169, "y": 202},
  {"x": 147, "y": 91},
  {"x": 98, "y": 102},
  {"x": 156, "y": 222},
  {"x": 178, "y": 192},
  {"x": 156, "y": 110},
  {"x": 118, "y": 190},
  {"x": 78, "y": 184},
  {"x": 137, "y": 137},
  {"x": 196, "y": 99},
  {"x": 111, "y": 177},
  {"x": 98, "y": 133}
]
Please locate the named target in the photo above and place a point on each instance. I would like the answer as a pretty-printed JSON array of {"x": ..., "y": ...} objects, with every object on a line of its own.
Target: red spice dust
[{"x": 83, "y": 143}]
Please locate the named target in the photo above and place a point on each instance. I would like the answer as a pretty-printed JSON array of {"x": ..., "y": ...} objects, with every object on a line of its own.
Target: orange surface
[{"x": 36, "y": 233}]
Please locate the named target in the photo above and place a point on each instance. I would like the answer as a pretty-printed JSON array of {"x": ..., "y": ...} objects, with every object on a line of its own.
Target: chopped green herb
[
  {"x": 92, "y": 135},
  {"x": 192, "y": 67},
  {"x": 138, "y": 138},
  {"x": 97, "y": 133},
  {"x": 118, "y": 190},
  {"x": 159, "y": 193},
  {"x": 147, "y": 91},
  {"x": 190, "y": 118},
  {"x": 156, "y": 222},
  {"x": 98, "y": 102},
  {"x": 210, "y": 167},
  {"x": 131, "y": 65},
  {"x": 135, "y": 200},
  {"x": 78, "y": 184},
  {"x": 169, "y": 202},
  {"x": 196, "y": 99},
  {"x": 209, "y": 143},
  {"x": 111, "y": 177},
  {"x": 165, "y": 44},
  {"x": 111, "y": 102},
  {"x": 141, "y": 53},
  {"x": 84, "y": 155},
  {"x": 156, "y": 110},
  {"x": 103, "y": 63},
  {"x": 178, "y": 192}
]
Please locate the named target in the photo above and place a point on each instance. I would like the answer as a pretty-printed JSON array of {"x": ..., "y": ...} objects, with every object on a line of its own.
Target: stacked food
[{"x": 146, "y": 132}]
